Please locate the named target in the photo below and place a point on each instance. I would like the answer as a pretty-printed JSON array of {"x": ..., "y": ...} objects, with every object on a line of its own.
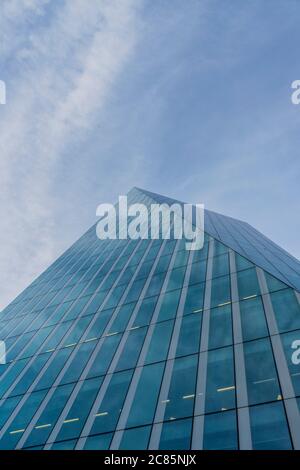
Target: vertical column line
[
  {"x": 243, "y": 415},
  {"x": 198, "y": 425}
]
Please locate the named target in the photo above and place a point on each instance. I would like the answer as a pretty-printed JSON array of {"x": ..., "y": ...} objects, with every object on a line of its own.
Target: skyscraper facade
[{"x": 141, "y": 344}]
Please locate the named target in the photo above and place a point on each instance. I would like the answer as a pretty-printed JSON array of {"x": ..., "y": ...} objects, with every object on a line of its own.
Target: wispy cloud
[{"x": 66, "y": 59}]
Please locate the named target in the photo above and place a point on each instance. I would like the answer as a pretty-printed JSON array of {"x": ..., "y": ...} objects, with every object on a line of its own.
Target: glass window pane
[
  {"x": 220, "y": 265},
  {"x": 7, "y": 407},
  {"x": 248, "y": 283},
  {"x": 79, "y": 411},
  {"x": 135, "y": 291},
  {"x": 159, "y": 344},
  {"x": 145, "y": 312},
  {"x": 76, "y": 333},
  {"x": 181, "y": 395},
  {"x": 176, "y": 435},
  {"x": 14, "y": 432},
  {"x": 189, "y": 336},
  {"x": 220, "y": 291},
  {"x": 78, "y": 363},
  {"x": 219, "y": 248},
  {"x": 132, "y": 349},
  {"x": 155, "y": 284},
  {"x": 54, "y": 369},
  {"x": 242, "y": 263},
  {"x": 291, "y": 346},
  {"x": 145, "y": 399},
  {"x": 100, "y": 442},
  {"x": 198, "y": 272},
  {"x": 13, "y": 370},
  {"x": 194, "y": 298},
  {"x": 135, "y": 439},
  {"x": 286, "y": 309},
  {"x": 15, "y": 345},
  {"x": 220, "y": 431},
  {"x": 273, "y": 283},
  {"x": 122, "y": 318},
  {"x": 269, "y": 427},
  {"x": 99, "y": 325},
  {"x": 220, "y": 327},
  {"x": 253, "y": 319},
  {"x": 111, "y": 406},
  {"x": 104, "y": 356},
  {"x": 181, "y": 258},
  {"x": 36, "y": 342},
  {"x": 30, "y": 374},
  {"x": 64, "y": 445},
  {"x": 168, "y": 308},
  {"x": 176, "y": 278},
  {"x": 49, "y": 416},
  {"x": 220, "y": 385}
]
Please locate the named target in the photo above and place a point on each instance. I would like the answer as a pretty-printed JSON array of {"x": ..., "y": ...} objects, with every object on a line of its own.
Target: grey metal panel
[
  {"x": 202, "y": 363},
  {"x": 240, "y": 373}
]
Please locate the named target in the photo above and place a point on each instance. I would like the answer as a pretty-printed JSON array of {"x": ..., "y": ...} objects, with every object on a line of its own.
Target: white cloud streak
[{"x": 67, "y": 61}]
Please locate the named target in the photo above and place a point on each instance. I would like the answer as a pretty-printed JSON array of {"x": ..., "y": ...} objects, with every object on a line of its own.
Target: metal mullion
[
  {"x": 243, "y": 416},
  {"x": 102, "y": 391},
  {"x": 51, "y": 334},
  {"x": 95, "y": 352},
  {"x": 23, "y": 400},
  {"x": 71, "y": 357}
]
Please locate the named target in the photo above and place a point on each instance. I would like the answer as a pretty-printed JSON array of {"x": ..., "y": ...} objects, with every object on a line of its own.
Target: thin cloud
[{"x": 66, "y": 68}]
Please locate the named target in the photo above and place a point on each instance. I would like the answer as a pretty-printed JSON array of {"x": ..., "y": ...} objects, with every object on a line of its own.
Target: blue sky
[{"x": 188, "y": 98}]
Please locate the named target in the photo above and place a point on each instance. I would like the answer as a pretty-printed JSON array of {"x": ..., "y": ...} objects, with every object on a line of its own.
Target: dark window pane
[
  {"x": 220, "y": 431},
  {"x": 79, "y": 411},
  {"x": 168, "y": 308},
  {"x": 145, "y": 399},
  {"x": 111, "y": 406},
  {"x": 220, "y": 291},
  {"x": 220, "y": 327},
  {"x": 48, "y": 418},
  {"x": 135, "y": 439},
  {"x": 269, "y": 427},
  {"x": 194, "y": 298},
  {"x": 159, "y": 344},
  {"x": 247, "y": 283},
  {"x": 189, "y": 336},
  {"x": 261, "y": 375},
  {"x": 181, "y": 395},
  {"x": 287, "y": 310},
  {"x": 176, "y": 435}
]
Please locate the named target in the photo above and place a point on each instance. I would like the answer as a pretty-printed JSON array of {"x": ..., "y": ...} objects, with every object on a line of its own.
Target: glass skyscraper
[{"x": 141, "y": 344}]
